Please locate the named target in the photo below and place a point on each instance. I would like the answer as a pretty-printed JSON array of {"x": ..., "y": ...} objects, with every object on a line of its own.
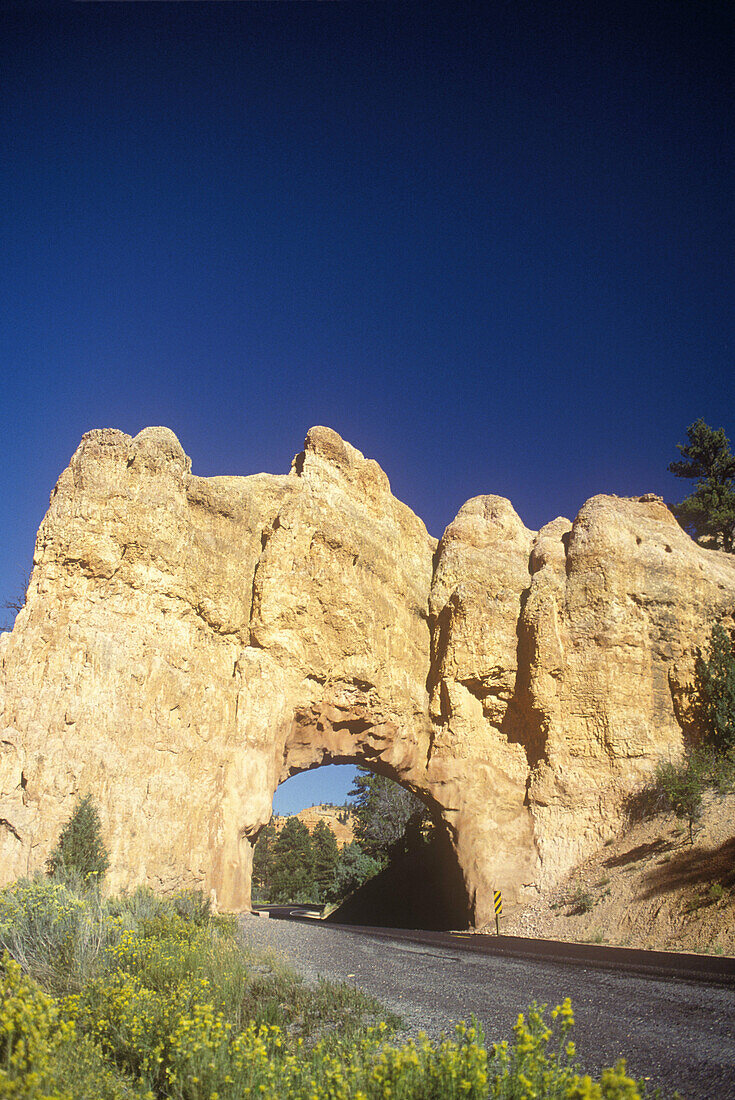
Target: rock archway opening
[{"x": 365, "y": 846}]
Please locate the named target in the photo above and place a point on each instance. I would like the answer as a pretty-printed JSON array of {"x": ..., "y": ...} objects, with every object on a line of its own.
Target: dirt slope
[{"x": 647, "y": 888}]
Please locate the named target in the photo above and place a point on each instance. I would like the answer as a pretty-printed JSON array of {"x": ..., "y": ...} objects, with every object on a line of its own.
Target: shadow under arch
[{"x": 422, "y": 886}]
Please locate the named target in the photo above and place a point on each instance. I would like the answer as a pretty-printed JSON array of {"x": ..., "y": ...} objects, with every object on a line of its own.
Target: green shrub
[
  {"x": 682, "y": 783},
  {"x": 528, "y": 1062},
  {"x": 80, "y": 850},
  {"x": 581, "y": 901},
  {"x": 354, "y": 867},
  {"x": 716, "y": 891},
  {"x": 81, "y": 1071},
  {"x": 57, "y": 936},
  {"x": 721, "y": 772},
  {"x": 715, "y": 690},
  {"x": 143, "y": 905},
  {"x": 193, "y": 906},
  {"x": 135, "y": 908}
]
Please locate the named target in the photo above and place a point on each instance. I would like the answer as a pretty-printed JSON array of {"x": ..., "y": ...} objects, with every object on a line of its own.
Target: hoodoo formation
[{"x": 188, "y": 643}]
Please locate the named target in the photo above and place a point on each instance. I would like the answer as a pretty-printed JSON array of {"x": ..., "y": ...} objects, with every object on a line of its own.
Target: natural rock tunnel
[
  {"x": 187, "y": 643},
  {"x": 423, "y": 885}
]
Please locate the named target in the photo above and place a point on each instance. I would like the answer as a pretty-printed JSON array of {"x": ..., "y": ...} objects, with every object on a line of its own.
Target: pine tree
[
  {"x": 263, "y": 857},
  {"x": 354, "y": 867},
  {"x": 715, "y": 690},
  {"x": 708, "y": 513},
  {"x": 80, "y": 851},
  {"x": 326, "y": 855},
  {"x": 382, "y": 810},
  {"x": 292, "y": 874}
]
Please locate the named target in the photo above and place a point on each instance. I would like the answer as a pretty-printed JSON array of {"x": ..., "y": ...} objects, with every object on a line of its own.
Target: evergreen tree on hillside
[
  {"x": 711, "y": 763},
  {"x": 354, "y": 867},
  {"x": 263, "y": 857},
  {"x": 292, "y": 875},
  {"x": 326, "y": 855},
  {"x": 715, "y": 690},
  {"x": 80, "y": 851},
  {"x": 708, "y": 514},
  {"x": 382, "y": 810}
]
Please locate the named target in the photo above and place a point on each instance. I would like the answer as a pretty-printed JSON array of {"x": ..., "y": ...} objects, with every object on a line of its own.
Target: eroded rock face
[{"x": 188, "y": 643}]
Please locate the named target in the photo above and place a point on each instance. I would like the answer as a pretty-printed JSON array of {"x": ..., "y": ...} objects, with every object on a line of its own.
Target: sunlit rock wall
[{"x": 188, "y": 643}]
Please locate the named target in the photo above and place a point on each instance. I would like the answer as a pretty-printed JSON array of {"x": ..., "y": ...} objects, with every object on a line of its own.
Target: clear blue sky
[{"x": 490, "y": 245}]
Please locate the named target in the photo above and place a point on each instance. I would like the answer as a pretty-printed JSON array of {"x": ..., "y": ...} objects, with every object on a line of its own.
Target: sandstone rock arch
[
  {"x": 423, "y": 888},
  {"x": 344, "y": 732},
  {"x": 187, "y": 641}
]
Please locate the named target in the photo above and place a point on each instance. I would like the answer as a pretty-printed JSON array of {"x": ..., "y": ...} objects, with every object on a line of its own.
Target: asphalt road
[{"x": 679, "y": 1034}]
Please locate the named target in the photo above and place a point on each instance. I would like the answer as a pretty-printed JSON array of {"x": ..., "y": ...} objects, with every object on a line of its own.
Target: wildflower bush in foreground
[
  {"x": 173, "y": 1007},
  {"x": 57, "y": 935}
]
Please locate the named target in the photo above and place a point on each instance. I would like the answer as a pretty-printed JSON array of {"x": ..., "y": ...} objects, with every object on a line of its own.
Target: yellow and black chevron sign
[{"x": 498, "y": 902}]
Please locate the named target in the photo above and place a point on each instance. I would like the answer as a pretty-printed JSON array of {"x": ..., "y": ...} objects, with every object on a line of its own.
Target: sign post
[{"x": 498, "y": 910}]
